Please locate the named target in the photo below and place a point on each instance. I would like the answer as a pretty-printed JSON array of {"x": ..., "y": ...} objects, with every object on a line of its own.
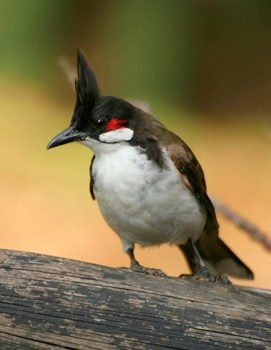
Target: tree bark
[{"x": 53, "y": 303}]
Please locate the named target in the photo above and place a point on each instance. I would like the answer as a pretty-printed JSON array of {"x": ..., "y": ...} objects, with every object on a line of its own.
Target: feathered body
[{"x": 148, "y": 183}]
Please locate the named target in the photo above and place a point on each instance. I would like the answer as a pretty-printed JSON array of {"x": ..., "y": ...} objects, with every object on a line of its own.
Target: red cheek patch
[{"x": 115, "y": 124}]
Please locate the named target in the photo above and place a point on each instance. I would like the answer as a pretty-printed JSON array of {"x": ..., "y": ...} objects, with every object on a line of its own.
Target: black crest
[{"x": 87, "y": 90}]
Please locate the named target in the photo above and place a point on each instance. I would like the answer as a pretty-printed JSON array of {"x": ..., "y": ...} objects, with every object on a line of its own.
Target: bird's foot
[
  {"x": 135, "y": 266},
  {"x": 205, "y": 275}
]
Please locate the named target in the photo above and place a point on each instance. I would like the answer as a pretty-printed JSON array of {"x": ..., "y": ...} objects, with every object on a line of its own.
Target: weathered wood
[{"x": 54, "y": 303}]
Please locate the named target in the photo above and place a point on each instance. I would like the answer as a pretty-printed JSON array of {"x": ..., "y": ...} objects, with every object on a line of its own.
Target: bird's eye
[{"x": 100, "y": 123}]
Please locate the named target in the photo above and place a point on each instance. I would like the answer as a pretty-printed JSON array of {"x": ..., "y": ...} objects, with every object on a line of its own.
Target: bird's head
[{"x": 97, "y": 120}]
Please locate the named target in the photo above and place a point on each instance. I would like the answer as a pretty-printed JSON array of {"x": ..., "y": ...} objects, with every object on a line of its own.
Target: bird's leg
[
  {"x": 135, "y": 266},
  {"x": 198, "y": 266}
]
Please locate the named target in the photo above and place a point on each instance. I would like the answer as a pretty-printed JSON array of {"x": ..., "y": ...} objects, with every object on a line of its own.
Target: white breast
[{"x": 140, "y": 201}]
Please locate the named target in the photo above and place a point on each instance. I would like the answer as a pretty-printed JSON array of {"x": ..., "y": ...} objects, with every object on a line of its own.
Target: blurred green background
[
  {"x": 203, "y": 66},
  {"x": 203, "y": 55}
]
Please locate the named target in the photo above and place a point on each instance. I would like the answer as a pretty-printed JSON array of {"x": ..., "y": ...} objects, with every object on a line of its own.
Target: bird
[{"x": 148, "y": 183}]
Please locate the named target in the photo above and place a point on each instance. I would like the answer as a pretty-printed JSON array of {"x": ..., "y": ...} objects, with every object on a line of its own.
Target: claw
[
  {"x": 204, "y": 274},
  {"x": 135, "y": 266}
]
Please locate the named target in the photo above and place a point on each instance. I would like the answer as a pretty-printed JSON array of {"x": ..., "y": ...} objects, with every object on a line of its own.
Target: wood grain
[{"x": 53, "y": 303}]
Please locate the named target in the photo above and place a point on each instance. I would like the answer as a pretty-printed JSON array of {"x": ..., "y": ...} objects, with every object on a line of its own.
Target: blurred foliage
[{"x": 203, "y": 55}]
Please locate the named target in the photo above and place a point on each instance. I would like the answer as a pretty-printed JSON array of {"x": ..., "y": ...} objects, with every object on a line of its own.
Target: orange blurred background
[{"x": 205, "y": 70}]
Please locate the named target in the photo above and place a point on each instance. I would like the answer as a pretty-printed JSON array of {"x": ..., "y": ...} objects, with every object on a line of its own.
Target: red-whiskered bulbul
[{"x": 148, "y": 183}]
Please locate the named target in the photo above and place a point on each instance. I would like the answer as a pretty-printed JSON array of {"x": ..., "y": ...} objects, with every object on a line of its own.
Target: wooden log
[{"x": 54, "y": 303}]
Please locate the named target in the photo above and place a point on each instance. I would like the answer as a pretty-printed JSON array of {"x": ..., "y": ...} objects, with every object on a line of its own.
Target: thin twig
[
  {"x": 68, "y": 69},
  {"x": 243, "y": 223}
]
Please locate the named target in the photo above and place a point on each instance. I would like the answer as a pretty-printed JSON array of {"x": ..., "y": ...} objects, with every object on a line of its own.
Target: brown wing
[
  {"x": 185, "y": 161},
  {"x": 91, "y": 183},
  {"x": 193, "y": 176}
]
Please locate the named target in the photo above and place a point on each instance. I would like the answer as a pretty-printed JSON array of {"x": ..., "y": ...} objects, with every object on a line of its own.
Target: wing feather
[{"x": 193, "y": 177}]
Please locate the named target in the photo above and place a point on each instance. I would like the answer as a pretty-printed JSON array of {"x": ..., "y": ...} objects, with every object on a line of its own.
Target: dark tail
[{"x": 218, "y": 258}]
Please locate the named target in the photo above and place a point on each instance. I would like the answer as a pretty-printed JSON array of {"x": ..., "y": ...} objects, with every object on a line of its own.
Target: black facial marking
[{"x": 151, "y": 148}]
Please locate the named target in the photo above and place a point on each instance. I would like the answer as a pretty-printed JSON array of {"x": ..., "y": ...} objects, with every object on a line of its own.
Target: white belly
[{"x": 145, "y": 204}]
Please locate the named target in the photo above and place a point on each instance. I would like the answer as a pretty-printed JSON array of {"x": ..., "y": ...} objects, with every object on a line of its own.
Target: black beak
[{"x": 66, "y": 136}]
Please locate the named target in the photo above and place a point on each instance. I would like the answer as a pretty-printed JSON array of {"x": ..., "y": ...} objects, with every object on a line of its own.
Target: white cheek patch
[{"x": 122, "y": 134}]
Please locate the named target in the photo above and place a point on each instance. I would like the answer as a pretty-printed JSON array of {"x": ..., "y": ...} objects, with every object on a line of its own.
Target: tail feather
[{"x": 220, "y": 259}]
